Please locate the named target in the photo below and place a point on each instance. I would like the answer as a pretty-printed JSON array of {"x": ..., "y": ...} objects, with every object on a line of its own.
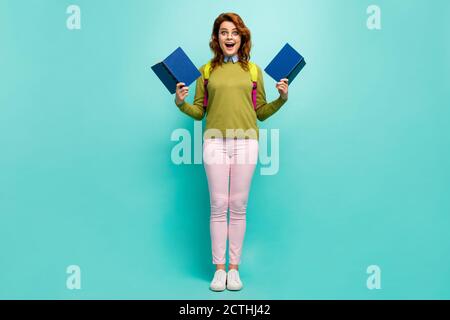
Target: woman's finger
[{"x": 180, "y": 86}]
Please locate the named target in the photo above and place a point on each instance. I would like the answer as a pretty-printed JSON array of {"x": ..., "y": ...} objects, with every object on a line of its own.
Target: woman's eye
[{"x": 234, "y": 33}]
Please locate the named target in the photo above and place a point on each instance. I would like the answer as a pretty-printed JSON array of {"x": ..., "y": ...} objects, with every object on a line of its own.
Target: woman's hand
[
  {"x": 181, "y": 93},
  {"x": 282, "y": 87}
]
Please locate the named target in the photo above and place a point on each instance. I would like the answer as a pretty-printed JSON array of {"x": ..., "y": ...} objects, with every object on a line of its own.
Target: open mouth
[{"x": 229, "y": 45}]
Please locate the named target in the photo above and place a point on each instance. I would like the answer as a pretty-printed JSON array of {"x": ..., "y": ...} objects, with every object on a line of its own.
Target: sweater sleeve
[
  {"x": 195, "y": 110},
  {"x": 263, "y": 109}
]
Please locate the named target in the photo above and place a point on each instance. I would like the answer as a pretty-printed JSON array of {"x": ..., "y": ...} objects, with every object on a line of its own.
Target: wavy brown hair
[{"x": 244, "y": 32}]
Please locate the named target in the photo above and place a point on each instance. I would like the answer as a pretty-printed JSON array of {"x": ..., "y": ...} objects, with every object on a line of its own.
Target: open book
[{"x": 177, "y": 67}]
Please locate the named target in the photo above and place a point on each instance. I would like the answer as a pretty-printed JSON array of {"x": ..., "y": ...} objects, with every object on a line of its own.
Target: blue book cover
[
  {"x": 177, "y": 67},
  {"x": 286, "y": 64}
]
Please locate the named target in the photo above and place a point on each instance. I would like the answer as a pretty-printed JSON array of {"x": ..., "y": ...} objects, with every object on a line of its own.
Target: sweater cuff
[
  {"x": 180, "y": 105},
  {"x": 279, "y": 102}
]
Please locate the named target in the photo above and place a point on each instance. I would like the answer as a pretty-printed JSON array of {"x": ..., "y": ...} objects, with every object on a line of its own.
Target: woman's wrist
[{"x": 179, "y": 104}]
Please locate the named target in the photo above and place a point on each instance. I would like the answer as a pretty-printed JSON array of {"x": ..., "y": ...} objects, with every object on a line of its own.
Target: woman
[{"x": 231, "y": 101}]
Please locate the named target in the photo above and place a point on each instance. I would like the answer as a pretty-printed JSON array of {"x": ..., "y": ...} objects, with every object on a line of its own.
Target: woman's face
[{"x": 229, "y": 38}]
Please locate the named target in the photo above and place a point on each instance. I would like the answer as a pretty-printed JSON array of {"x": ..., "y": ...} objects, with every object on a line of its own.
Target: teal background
[{"x": 86, "y": 176}]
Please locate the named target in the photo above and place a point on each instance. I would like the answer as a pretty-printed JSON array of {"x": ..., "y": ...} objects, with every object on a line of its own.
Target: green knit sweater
[{"x": 230, "y": 109}]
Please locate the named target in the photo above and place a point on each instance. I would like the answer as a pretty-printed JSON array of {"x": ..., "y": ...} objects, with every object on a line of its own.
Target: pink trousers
[{"x": 229, "y": 164}]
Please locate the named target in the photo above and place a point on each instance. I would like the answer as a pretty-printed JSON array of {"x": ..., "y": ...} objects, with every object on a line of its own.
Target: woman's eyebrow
[{"x": 223, "y": 29}]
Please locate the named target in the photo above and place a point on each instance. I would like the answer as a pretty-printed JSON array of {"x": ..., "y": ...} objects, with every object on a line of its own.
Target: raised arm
[
  {"x": 265, "y": 110},
  {"x": 194, "y": 110}
]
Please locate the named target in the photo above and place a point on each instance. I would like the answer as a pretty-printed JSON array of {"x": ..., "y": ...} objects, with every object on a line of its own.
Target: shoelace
[
  {"x": 234, "y": 276},
  {"x": 218, "y": 276}
]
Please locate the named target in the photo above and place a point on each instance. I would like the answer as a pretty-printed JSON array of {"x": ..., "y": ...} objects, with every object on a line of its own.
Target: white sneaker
[
  {"x": 219, "y": 280},
  {"x": 233, "y": 280}
]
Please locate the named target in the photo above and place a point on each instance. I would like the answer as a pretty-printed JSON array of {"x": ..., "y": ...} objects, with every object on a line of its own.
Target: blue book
[
  {"x": 177, "y": 67},
  {"x": 286, "y": 64}
]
